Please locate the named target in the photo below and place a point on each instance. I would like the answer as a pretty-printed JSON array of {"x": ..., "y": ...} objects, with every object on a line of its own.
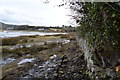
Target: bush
[{"x": 100, "y": 24}]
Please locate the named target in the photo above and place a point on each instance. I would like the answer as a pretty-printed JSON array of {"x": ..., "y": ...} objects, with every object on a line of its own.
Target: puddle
[
  {"x": 26, "y": 60},
  {"x": 6, "y": 61},
  {"x": 66, "y": 41},
  {"x": 54, "y": 56}
]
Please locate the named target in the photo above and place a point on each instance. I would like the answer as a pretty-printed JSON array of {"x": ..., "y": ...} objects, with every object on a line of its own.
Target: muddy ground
[{"x": 58, "y": 57}]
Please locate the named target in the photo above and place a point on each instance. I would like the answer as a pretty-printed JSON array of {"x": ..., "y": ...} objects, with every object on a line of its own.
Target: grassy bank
[{"x": 29, "y": 39}]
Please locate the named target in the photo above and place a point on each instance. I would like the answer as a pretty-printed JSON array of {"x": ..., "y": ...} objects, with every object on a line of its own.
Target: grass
[
  {"x": 41, "y": 52},
  {"x": 33, "y": 50},
  {"x": 15, "y": 40},
  {"x": 26, "y": 39},
  {"x": 10, "y": 41}
]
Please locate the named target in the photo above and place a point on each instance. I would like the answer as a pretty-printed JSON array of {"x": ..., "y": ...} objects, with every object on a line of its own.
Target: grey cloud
[
  {"x": 33, "y": 12},
  {"x": 12, "y": 16}
]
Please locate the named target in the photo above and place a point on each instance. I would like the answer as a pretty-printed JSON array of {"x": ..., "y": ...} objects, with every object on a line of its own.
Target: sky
[{"x": 34, "y": 12}]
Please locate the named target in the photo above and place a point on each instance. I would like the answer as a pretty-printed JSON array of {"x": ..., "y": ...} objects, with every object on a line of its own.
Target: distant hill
[
  {"x": 4, "y": 26},
  {"x": 12, "y": 27}
]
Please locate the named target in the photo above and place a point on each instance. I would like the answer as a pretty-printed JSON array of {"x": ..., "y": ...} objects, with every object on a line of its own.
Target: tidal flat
[{"x": 36, "y": 56}]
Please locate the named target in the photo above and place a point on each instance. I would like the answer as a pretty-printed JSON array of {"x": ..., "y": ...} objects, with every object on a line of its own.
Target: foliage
[{"x": 99, "y": 23}]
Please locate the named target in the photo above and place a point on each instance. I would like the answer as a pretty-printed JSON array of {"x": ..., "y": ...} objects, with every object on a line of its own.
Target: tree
[{"x": 99, "y": 25}]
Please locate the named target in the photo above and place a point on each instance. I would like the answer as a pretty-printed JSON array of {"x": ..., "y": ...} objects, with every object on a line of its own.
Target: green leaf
[{"x": 113, "y": 15}]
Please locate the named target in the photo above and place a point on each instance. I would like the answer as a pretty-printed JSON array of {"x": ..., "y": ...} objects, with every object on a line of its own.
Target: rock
[{"x": 110, "y": 73}]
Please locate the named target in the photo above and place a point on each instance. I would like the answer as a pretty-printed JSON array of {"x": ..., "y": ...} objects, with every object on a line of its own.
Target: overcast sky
[{"x": 33, "y": 12}]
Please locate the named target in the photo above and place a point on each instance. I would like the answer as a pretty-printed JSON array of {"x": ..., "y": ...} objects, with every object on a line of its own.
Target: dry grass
[{"x": 26, "y": 39}]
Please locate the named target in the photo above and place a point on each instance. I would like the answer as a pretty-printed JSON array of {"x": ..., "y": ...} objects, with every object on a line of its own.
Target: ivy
[{"x": 100, "y": 24}]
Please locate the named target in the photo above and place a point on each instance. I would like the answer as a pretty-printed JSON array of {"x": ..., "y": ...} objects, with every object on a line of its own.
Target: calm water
[{"x": 8, "y": 33}]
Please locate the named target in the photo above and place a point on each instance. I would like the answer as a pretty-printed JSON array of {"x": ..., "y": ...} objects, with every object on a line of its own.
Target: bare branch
[{"x": 113, "y": 7}]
